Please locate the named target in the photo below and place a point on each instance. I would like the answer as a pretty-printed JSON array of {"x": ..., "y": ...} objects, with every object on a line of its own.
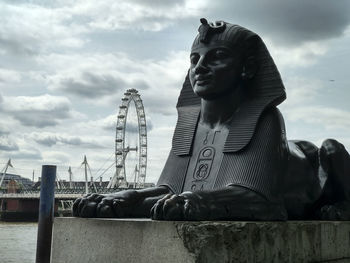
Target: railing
[
  {"x": 59, "y": 196},
  {"x": 58, "y": 192}
]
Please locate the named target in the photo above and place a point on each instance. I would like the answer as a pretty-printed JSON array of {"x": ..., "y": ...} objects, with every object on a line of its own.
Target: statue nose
[{"x": 200, "y": 67}]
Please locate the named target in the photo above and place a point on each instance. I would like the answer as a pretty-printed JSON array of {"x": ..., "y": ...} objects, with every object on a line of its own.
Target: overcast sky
[{"x": 64, "y": 66}]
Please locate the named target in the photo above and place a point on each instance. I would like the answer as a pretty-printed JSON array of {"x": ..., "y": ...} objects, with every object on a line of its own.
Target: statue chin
[{"x": 230, "y": 159}]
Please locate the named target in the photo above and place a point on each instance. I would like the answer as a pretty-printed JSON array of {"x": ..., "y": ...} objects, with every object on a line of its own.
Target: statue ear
[{"x": 249, "y": 69}]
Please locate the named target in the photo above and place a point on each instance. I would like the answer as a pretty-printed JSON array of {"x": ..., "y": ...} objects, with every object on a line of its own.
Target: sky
[{"x": 65, "y": 65}]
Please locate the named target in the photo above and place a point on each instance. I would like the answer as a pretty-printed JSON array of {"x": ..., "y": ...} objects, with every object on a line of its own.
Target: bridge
[
  {"x": 37, "y": 196},
  {"x": 23, "y": 204}
]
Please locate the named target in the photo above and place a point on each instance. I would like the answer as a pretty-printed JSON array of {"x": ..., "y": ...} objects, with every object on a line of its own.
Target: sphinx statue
[{"x": 230, "y": 159}]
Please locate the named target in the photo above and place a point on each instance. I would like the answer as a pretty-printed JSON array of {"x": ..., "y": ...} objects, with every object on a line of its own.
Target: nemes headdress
[{"x": 265, "y": 89}]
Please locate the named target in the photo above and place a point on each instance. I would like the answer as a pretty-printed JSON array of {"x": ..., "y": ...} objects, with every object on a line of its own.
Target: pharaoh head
[
  {"x": 227, "y": 58},
  {"x": 222, "y": 59}
]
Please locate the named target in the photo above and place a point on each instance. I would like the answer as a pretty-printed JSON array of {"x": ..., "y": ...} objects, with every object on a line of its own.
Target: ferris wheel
[{"x": 122, "y": 150}]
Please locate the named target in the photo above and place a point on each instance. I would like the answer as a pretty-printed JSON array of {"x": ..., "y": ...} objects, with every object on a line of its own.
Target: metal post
[
  {"x": 135, "y": 172},
  {"x": 4, "y": 173},
  {"x": 70, "y": 177},
  {"x": 46, "y": 213},
  {"x": 86, "y": 177}
]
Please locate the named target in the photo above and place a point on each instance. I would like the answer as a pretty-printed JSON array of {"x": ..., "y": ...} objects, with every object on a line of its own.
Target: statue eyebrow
[
  {"x": 213, "y": 49},
  {"x": 225, "y": 50},
  {"x": 220, "y": 49}
]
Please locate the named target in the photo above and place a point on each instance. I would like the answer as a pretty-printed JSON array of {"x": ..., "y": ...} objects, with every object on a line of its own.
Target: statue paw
[
  {"x": 338, "y": 211},
  {"x": 168, "y": 208},
  {"x": 105, "y": 207},
  {"x": 86, "y": 206},
  {"x": 118, "y": 205},
  {"x": 186, "y": 206}
]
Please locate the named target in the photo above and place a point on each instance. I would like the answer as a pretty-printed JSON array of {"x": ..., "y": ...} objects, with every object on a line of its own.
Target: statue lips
[{"x": 202, "y": 80}]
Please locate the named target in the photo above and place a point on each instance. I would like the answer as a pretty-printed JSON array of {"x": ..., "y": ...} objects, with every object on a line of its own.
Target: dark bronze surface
[{"x": 230, "y": 158}]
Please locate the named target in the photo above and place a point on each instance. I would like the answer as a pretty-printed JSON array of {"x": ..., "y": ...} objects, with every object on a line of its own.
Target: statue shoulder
[
  {"x": 271, "y": 126},
  {"x": 273, "y": 118}
]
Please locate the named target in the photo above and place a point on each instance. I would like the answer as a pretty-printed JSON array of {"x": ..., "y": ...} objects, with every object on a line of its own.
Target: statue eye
[
  {"x": 194, "y": 58},
  {"x": 220, "y": 54}
]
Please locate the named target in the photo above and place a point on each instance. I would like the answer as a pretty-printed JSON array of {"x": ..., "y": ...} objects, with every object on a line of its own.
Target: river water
[{"x": 18, "y": 242}]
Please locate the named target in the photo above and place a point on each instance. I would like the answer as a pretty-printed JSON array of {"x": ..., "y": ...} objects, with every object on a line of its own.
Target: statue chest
[{"x": 206, "y": 158}]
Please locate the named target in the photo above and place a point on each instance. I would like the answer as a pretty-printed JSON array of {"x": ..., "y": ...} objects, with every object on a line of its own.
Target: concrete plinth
[{"x": 133, "y": 240}]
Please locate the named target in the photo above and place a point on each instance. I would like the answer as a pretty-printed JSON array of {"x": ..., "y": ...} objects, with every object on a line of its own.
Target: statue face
[{"x": 215, "y": 70}]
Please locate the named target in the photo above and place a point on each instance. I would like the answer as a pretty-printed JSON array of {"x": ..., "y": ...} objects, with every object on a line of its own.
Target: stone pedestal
[{"x": 142, "y": 240}]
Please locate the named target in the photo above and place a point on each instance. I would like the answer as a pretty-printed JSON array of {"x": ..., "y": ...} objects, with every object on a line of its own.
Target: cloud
[
  {"x": 92, "y": 76},
  {"x": 160, "y": 3},
  {"x": 7, "y": 144},
  {"x": 132, "y": 125},
  {"x": 135, "y": 15},
  {"x": 92, "y": 86},
  {"x": 37, "y": 111},
  {"x": 29, "y": 29},
  {"x": 173, "y": 69},
  {"x": 49, "y": 139},
  {"x": 107, "y": 76},
  {"x": 302, "y": 91},
  {"x": 37, "y": 27},
  {"x": 4, "y": 131},
  {"x": 109, "y": 123},
  {"x": 16, "y": 46},
  {"x": 303, "y": 55},
  {"x": 56, "y": 157},
  {"x": 328, "y": 117},
  {"x": 26, "y": 154},
  {"x": 288, "y": 22},
  {"x": 8, "y": 76}
]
